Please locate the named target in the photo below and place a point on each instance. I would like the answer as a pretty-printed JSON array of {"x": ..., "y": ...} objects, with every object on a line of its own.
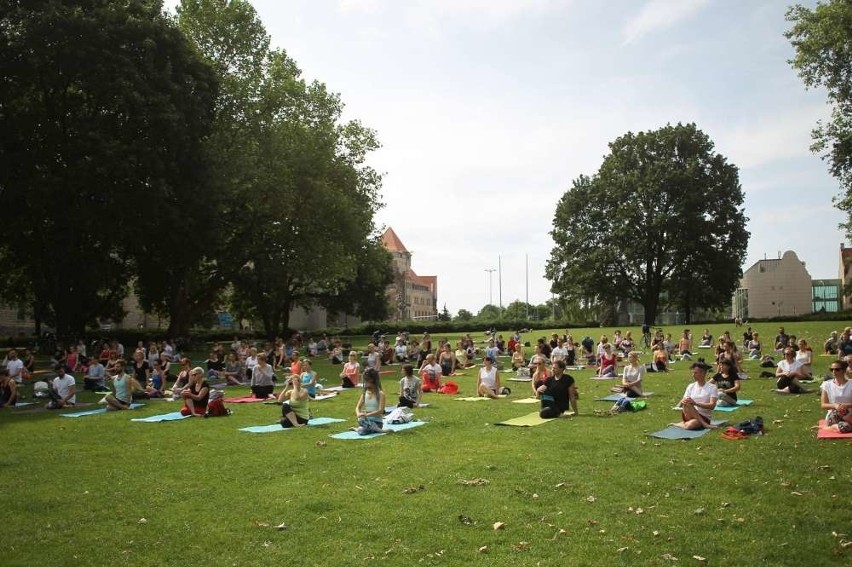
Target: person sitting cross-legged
[{"x": 699, "y": 399}]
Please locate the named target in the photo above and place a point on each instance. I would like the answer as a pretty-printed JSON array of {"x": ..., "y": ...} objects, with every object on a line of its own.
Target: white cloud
[{"x": 658, "y": 15}]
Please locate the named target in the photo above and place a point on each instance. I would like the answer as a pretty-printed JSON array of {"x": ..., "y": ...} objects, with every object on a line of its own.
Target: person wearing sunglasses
[{"x": 836, "y": 398}]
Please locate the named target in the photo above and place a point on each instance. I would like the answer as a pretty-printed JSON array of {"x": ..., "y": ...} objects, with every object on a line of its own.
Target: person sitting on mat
[
  {"x": 295, "y": 408},
  {"x": 262, "y": 378},
  {"x": 8, "y": 389},
  {"x": 124, "y": 385},
  {"x": 430, "y": 373},
  {"x": 351, "y": 370},
  {"x": 660, "y": 360},
  {"x": 539, "y": 375},
  {"x": 789, "y": 372},
  {"x": 557, "y": 392},
  {"x": 64, "y": 390},
  {"x": 309, "y": 378},
  {"x": 836, "y": 398},
  {"x": 447, "y": 360},
  {"x": 631, "y": 378},
  {"x": 608, "y": 362},
  {"x": 370, "y": 409},
  {"x": 699, "y": 399},
  {"x": 196, "y": 394},
  {"x": 728, "y": 382},
  {"x": 409, "y": 388},
  {"x": 488, "y": 382}
]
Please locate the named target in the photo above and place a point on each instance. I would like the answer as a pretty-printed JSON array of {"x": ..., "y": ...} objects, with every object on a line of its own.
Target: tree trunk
[{"x": 180, "y": 313}]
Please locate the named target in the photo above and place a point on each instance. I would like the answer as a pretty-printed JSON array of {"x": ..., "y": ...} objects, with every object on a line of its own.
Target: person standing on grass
[
  {"x": 836, "y": 398},
  {"x": 409, "y": 388},
  {"x": 351, "y": 370},
  {"x": 370, "y": 409},
  {"x": 262, "y": 383},
  {"x": 124, "y": 385},
  {"x": 8, "y": 390},
  {"x": 295, "y": 407},
  {"x": 64, "y": 390},
  {"x": 699, "y": 399},
  {"x": 196, "y": 395},
  {"x": 488, "y": 383},
  {"x": 557, "y": 393}
]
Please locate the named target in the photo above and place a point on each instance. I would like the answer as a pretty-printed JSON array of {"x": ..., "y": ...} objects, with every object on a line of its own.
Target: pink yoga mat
[
  {"x": 826, "y": 434},
  {"x": 245, "y": 400}
]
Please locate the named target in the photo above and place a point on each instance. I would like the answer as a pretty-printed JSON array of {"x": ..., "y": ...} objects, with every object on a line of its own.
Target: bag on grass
[
  {"x": 751, "y": 426},
  {"x": 216, "y": 405},
  {"x": 400, "y": 415}
]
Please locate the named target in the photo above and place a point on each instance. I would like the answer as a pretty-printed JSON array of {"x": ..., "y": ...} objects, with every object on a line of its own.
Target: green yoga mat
[
  {"x": 527, "y": 401},
  {"x": 529, "y": 420}
]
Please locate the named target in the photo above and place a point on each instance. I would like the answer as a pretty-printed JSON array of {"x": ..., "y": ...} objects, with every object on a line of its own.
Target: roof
[{"x": 392, "y": 243}]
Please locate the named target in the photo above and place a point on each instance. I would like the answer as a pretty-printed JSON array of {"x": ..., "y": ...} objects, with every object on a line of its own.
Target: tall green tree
[
  {"x": 102, "y": 106},
  {"x": 298, "y": 198},
  {"x": 822, "y": 37},
  {"x": 664, "y": 211}
]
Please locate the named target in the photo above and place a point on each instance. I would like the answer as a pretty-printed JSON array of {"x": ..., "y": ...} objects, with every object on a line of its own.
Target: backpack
[
  {"x": 216, "y": 405},
  {"x": 751, "y": 426},
  {"x": 400, "y": 415}
]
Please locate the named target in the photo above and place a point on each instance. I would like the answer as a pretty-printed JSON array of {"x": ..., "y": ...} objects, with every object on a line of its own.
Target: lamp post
[{"x": 490, "y": 287}]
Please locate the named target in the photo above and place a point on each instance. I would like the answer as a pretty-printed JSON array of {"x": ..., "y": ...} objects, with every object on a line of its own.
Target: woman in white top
[
  {"x": 699, "y": 399},
  {"x": 805, "y": 356},
  {"x": 631, "y": 377},
  {"x": 836, "y": 398},
  {"x": 488, "y": 383}
]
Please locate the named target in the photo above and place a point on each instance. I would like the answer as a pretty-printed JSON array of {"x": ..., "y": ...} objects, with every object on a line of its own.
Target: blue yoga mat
[
  {"x": 94, "y": 411},
  {"x": 388, "y": 427},
  {"x": 173, "y": 416},
  {"x": 276, "y": 427},
  {"x": 672, "y": 432}
]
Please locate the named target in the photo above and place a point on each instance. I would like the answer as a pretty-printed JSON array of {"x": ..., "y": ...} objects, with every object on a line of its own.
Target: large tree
[
  {"x": 102, "y": 105},
  {"x": 297, "y": 197},
  {"x": 822, "y": 38},
  {"x": 661, "y": 219}
]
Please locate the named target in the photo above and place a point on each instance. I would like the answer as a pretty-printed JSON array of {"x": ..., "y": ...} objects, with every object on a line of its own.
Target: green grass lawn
[{"x": 584, "y": 490}]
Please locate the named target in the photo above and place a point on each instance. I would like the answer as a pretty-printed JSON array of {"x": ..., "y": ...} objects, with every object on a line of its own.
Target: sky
[{"x": 488, "y": 109}]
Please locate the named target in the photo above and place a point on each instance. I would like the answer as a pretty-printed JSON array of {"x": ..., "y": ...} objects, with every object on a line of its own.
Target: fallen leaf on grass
[
  {"x": 794, "y": 493},
  {"x": 143, "y": 521},
  {"x": 622, "y": 549},
  {"x": 669, "y": 557},
  {"x": 413, "y": 489},
  {"x": 590, "y": 499},
  {"x": 699, "y": 558},
  {"x": 835, "y": 534},
  {"x": 521, "y": 546},
  {"x": 499, "y": 525},
  {"x": 473, "y": 482},
  {"x": 282, "y": 526},
  {"x": 655, "y": 533},
  {"x": 321, "y": 443},
  {"x": 698, "y": 511},
  {"x": 483, "y": 549},
  {"x": 260, "y": 524},
  {"x": 465, "y": 520}
]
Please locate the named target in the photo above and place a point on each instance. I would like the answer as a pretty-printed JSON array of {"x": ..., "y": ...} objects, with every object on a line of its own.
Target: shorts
[{"x": 704, "y": 420}]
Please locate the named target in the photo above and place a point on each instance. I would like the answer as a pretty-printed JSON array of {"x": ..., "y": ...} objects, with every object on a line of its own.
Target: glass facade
[{"x": 826, "y": 295}]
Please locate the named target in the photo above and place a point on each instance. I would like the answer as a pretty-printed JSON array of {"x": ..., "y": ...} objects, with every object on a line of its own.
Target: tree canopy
[
  {"x": 822, "y": 38},
  {"x": 662, "y": 214},
  {"x": 102, "y": 108}
]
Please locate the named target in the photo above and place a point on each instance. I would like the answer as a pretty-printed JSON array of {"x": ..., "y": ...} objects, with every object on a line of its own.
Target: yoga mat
[
  {"x": 603, "y": 377},
  {"x": 24, "y": 404},
  {"x": 577, "y": 367},
  {"x": 245, "y": 400},
  {"x": 526, "y": 401},
  {"x": 173, "y": 416},
  {"x": 734, "y": 408},
  {"x": 94, "y": 411},
  {"x": 520, "y": 379},
  {"x": 477, "y": 398},
  {"x": 529, "y": 420},
  {"x": 827, "y": 434},
  {"x": 335, "y": 389},
  {"x": 350, "y": 435},
  {"x": 672, "y": 432},
  {"x": 220, "y": 385},
  {"x": 272, "y": 428},
  {"x": 322, "y": 397},
  {"x": 616, "y": 397}
]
